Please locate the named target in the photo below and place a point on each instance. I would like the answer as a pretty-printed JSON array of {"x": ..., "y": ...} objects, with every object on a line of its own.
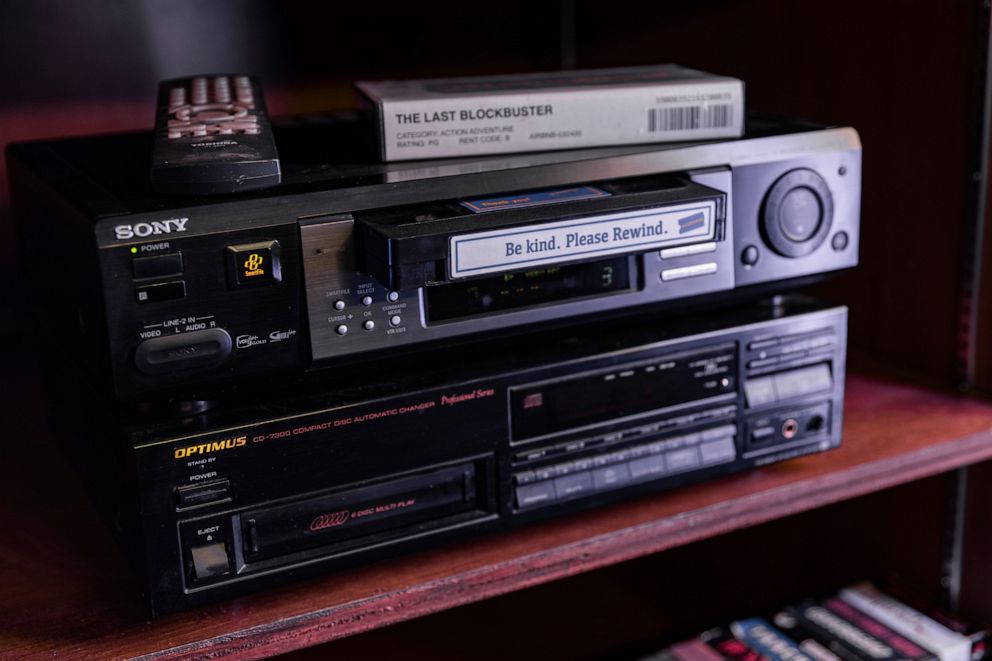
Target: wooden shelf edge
[{"x": 565, "y": 560}]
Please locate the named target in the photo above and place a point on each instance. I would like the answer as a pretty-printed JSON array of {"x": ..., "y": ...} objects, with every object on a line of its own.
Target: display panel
[
  {"x": 518, "y": 290},
  {"x": 547, "y": 408}
]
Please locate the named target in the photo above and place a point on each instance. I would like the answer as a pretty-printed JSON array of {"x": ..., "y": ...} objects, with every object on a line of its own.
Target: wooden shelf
[{"x": 67, "y": 592}]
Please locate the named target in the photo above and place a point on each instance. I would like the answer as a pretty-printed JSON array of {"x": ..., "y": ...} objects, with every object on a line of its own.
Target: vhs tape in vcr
[
  {"x": 263, "y": 492},
  {"x": 350, "y": 261}
]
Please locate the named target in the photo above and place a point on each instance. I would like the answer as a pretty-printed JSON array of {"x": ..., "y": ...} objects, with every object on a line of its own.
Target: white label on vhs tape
[
  {"x": 946, "y": 644},
  {"x": 498, "y": 251}
]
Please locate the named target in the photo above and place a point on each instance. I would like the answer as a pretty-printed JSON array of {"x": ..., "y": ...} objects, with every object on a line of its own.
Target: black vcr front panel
[
  {"x": 181, "y": 302},
  {"x": 242, "y": 498}
]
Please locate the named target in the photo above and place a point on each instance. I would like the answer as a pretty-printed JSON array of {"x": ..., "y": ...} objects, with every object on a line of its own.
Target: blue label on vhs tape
[{"x": 534, "y": 199}]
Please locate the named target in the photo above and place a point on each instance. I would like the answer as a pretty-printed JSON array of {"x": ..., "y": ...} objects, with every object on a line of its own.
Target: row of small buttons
[
  {"x": 533, "y": 454},
  {"x": 688, "y": 271},
  {"x": 368, "y": 324},
  {"x": 367, "y": 300},
  {"x": 628, "y": 466}
]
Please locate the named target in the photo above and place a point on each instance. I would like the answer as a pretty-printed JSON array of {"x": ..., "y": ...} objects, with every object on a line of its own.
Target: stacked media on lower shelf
[
  {"x": 260, "y": 493},
  {"x": 859, "y": 623}
]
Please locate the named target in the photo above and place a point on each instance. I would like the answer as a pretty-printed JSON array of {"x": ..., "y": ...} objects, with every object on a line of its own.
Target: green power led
[{"x": 134, "y": 250}]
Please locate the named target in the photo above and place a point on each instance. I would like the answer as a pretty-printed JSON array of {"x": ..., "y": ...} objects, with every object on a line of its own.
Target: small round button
[
  {"x": 393, "y": 296},
  {"x": 839, "y": 242},
  {"x": 368, "y": 324},
  {"x": 366, "y": 300},
  {"x": 395, "y": 320},
  {"x": 750, "y": 255},
  {"x": 339, "y": 305},
  {"x": 341, "y": 330}
]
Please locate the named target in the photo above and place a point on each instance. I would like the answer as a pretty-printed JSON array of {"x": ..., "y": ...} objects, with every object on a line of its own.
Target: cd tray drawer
[{"x": 339, "y": 517}]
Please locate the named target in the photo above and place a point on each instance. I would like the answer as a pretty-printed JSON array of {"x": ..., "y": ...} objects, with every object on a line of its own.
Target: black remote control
[{"x": 212, "y": 136}]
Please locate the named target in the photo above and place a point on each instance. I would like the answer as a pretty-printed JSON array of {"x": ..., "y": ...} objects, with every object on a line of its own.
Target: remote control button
[
  {"x": 368, "y": 324},
  {"x": 366, "y": 301},
  {"x": 199, "y": 90},
  {"x": 393, "y": 296},
  {"x": 157, "y": 266},
  {"x": 245, "y": 94},
  {"x": 209, "y": 560},
  {"x": 341, "y": 329},
  {"x": 165, "y": 291},
  {"x": 395, "y": 320},
  {"x": 339, "y": 305},
  {"x": 222, "y": 89},
  {"x": 254, "y": 264},
  {"x": 199, "y": 349}
]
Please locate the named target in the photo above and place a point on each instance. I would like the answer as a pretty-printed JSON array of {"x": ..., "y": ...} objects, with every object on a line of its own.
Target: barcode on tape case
[{"x": 689, "y": 118}]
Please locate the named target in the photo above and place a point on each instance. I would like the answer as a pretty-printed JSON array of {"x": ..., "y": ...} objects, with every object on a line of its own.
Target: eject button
[{"x": 209, "y": 560}]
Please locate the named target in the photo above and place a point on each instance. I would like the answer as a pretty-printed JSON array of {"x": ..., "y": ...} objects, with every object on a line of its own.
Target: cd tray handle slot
[{"x": 340, "y": 517}]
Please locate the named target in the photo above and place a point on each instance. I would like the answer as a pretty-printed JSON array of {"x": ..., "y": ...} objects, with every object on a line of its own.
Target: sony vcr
[
  {"x": 259, "y": 493},
  {"x": 351, "y": 261}
]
